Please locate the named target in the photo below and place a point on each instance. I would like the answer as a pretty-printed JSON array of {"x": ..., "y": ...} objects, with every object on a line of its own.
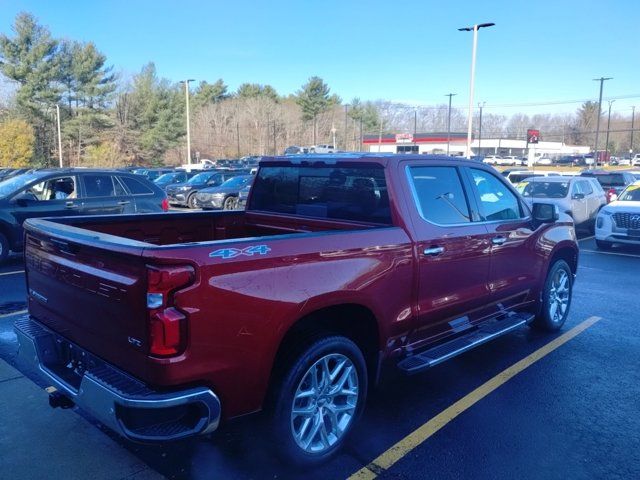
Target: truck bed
[
  {"x": 254, "y": 275},
  {"x": 196, "y": 227}
]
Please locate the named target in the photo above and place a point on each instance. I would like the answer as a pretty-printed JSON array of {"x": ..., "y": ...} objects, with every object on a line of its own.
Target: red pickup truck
[{"x": 163, "y": 325}]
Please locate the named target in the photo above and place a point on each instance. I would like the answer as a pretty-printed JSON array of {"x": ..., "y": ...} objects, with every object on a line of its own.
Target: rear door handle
[
  {"x": 498, "y": 240},
  {"x": 433, "y": 251},
  {"x": 124, "y": 202},
  {"x": 70, "y": 205}
]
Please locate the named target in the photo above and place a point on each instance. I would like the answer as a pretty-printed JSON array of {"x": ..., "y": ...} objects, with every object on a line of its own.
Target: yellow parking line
[
  {"x": 18, "y": 312},
  {"x": 418, "y": 436},
  {"x": 11, "y": 273}
]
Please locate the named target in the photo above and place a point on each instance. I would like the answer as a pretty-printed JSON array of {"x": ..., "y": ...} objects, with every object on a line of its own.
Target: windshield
[
  {"x": 543, "y": 189},
  {"x": 13, "y": 184},
  {"x": 235, "y": 182},
  {"x": 201, "y": 178},
  {"x": 611, "y": 180},
  {"x": 167, "y": 178},
  {"x": 631, "y": 194}
]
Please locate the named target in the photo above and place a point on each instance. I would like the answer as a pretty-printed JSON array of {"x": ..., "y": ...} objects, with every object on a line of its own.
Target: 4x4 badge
[{"x": 227, "y": 253}]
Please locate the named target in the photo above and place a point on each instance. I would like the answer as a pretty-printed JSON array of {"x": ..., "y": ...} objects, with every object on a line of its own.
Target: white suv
[
  {"x": 635, "y": 161},
  {"x": 619, "y": 221}
]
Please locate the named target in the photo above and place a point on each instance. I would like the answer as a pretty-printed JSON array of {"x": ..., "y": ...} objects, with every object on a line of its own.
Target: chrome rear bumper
[{"x": 116, "y": 399}]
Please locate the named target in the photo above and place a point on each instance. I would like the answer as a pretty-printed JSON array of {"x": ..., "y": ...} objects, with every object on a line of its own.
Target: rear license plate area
[{"x": 68, "y": 362}]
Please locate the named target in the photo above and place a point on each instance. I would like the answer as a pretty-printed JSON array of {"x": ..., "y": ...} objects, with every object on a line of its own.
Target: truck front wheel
[
  {"x": 319, "y": 399},
  {"x": 556, "y": 297}
]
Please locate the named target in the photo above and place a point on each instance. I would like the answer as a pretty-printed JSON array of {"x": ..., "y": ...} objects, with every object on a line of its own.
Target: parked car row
[
  {"x": 71, "y": 191},
  {"x": 198, "y": 191}
]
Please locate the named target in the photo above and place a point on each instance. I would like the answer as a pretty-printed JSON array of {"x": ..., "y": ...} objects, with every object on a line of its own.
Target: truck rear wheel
[
  {"x": 318, "y": 400},
  {"x": 556, "y": 297}
]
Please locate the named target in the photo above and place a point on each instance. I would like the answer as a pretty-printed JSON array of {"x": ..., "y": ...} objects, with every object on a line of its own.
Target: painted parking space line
[
  {"x": 586, "y": 238},
  {"x": 17, "y": 312},
  {"x": 394, "y": 454},
  {"x": 16, "y": 272},
  {"x": 610, "y": 253}
]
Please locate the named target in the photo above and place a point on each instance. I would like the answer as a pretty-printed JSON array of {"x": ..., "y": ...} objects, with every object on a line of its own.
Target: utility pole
[
  {"x": 346, "y": 111},
  {"x": 473, "y": 29},
  {"x": 361, "y": 137},
  {"x": 633, "y": 116},
  {"x": 275, "y": 150},
  {"x": 186, "y": 92},
  {"x": 238, "y": 137},
  {"x": 60, "y": 137},
  {"x": 450, "y": 95},
  {"x": 480, "y": 105},
  {"x": 595, "y": 154},
  {"x": 606, "y": 143}
]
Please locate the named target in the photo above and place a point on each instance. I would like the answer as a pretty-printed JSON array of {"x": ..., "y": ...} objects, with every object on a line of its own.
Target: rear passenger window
[
  {"x": 342, "y": 193},
  {"x": 135, "y": 186},
  {"x": 98, "y": 185},
  {"x": 497, "y": 202},
  {"x": 439, "y": 195}
]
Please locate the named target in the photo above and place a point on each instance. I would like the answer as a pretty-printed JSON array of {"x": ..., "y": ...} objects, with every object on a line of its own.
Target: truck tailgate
[{"x": 89, "y": 288}]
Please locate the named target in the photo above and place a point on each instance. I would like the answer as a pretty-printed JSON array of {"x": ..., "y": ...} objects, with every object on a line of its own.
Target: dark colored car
[
  {"x": 64, "y": 192},
  {"x": 225, "y": 196},
  {"x": 184, "y": 194},
  {"x": 163, "y": 181},
  {"x": 335, "y": 270},
  {"x": 152, "y": 173},
  {"x": 613, "y": 183}
]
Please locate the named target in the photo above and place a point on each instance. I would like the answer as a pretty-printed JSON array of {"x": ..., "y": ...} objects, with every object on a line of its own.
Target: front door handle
[
  {"x": 125, "y": 202},
  {"x": 70, "y": 205},
  {"x": 433, "y": 251},
  {"x": 498, "y": 240}
]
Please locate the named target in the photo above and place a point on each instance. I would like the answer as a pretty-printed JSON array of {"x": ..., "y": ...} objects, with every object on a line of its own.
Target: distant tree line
[{"x": 110, "y": 121}]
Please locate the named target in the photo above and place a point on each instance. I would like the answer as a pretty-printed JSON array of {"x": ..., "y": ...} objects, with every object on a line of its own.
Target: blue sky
[{"x": 406, "y": 51}]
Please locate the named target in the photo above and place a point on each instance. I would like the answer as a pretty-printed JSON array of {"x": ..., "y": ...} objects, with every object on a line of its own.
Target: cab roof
[{"x": 361, "y": 157}]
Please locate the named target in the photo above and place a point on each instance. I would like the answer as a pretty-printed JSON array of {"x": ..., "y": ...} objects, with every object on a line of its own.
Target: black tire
[
  {"x": 191, "y": 201},
  {"x": 229, "y": 203},
  {"x": 4, "y": 248},
  {"x": 552, "y": 316},
  {"x": 603, "y": 245},
  {"x": 294, "y": 378}
]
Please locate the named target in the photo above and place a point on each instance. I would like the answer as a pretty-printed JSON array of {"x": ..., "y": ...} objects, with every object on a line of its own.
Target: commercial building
[{"x": 437, "y": 143}]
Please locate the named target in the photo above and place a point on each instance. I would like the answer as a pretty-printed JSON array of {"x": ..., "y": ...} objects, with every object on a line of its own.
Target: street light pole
[
  {"x": 633, "y": 116},
  {"x": 186, "y": 92},
  {"x": 449, "y": 121},
  {"x": 606, "y": 142},
  {"x": 473, "y": 29},
  {"x": 59, "y": 136},
  {"x": 595, "y": 154}
]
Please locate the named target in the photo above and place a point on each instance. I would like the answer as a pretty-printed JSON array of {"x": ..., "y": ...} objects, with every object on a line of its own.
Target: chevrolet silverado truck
[{"x": 162, "y": 326}]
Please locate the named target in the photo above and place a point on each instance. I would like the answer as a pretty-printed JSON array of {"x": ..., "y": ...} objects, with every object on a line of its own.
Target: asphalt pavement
[{"x": 571, "y": 412}]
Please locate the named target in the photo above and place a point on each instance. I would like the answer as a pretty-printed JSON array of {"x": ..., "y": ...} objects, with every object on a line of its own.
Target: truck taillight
[
  {"x": 612, "y": 195},
  {"x": 165, "y": 204},
  {"x": 167, "y": 324}
]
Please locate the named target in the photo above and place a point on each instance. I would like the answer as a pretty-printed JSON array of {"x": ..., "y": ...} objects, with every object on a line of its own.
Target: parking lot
[{"x": 568, "y": 410}]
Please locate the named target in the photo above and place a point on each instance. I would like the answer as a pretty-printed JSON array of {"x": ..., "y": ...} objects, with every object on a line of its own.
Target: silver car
[{"x": 580, "y": 197}]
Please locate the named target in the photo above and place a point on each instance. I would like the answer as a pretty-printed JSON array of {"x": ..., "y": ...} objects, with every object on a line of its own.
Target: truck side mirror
[{"x": 545, "y": 213}]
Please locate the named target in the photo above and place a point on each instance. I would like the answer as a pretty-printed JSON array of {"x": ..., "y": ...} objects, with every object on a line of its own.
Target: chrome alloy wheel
[
  {"x": 325, "y": 403},
  {"x": 559, "y": 295}
]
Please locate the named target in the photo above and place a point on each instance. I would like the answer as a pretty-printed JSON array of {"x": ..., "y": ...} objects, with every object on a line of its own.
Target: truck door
[
  {"x": 452, "y": 250},
  {"x": 515, "y": 267}
]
